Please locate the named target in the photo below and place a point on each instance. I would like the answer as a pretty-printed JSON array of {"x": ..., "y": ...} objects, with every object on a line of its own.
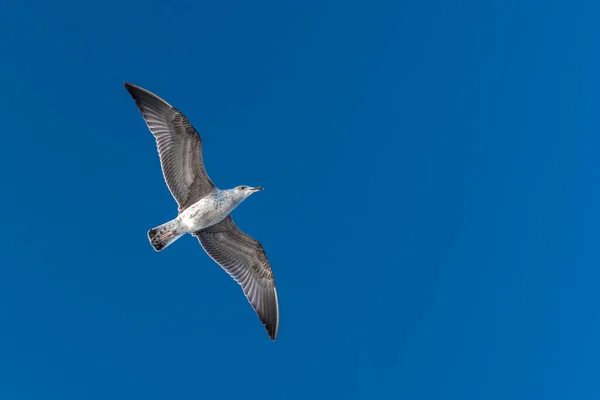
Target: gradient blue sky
[{"x": 431, "y": 205}]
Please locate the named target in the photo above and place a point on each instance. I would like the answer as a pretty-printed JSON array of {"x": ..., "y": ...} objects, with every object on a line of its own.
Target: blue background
[{"x": 430, "y": 207}]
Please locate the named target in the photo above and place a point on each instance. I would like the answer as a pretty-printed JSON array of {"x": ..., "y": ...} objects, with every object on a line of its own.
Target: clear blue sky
[{"x": 431, "y": 177}]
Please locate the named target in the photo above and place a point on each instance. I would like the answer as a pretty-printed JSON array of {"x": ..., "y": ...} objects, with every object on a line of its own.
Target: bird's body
[
  {"x": 209, "y": 210},
  {"x": 204, "y": 210}
]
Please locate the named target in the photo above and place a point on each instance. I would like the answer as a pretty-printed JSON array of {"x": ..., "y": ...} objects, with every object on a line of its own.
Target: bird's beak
[{"x": 258, "y": 188}]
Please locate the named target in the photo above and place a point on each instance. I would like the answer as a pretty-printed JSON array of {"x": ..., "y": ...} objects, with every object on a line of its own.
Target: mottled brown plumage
[{"x": 204, "y": 210}]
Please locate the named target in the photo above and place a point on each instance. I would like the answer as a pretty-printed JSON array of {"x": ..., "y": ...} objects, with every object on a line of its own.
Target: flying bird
[{"x": 204, "y": 210}]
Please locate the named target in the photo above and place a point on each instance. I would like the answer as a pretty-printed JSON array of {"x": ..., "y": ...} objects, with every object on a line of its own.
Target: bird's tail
[{"x": 165, "y": 234}]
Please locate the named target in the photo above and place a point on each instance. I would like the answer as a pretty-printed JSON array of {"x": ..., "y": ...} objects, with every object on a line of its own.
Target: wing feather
[
  {"x": 244, "y": 258},
  {"x": 179, "y": 147}
]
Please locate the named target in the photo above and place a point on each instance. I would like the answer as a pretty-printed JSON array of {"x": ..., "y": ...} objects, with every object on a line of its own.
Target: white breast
[{"x": 206, "y": 212}]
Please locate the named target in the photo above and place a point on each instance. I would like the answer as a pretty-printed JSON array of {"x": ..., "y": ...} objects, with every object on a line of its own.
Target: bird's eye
[{"x": 243, "y": 187}]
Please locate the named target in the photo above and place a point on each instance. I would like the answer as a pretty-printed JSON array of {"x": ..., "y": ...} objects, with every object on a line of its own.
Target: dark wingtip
[
  {"x": 150, "y": 100},
  {"x": 271, "y": 332},
  {"x": 130, "y": 87}
]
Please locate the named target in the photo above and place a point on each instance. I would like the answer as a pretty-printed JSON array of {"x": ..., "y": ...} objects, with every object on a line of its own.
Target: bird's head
[{"x": 243, "y": 191}]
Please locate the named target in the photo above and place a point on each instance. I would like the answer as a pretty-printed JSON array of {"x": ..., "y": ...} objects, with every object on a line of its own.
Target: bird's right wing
[
  {"x": 244, "y": 258},
  {"x": 179, "y": 147}
]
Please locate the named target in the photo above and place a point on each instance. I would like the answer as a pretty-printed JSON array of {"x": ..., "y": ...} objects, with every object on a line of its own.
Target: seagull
[{"x": 205, "y": 210}]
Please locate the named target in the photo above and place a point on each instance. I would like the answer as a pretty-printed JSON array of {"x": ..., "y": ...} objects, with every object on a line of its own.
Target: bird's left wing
[
  {"x": 179, "y": 147},
  {"x": 244, "y": 258}
]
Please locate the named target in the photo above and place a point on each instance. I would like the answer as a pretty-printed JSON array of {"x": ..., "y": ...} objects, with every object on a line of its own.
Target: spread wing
[
  {"x": 179, "y": 147},
  {"x": 245, "y": 260}
]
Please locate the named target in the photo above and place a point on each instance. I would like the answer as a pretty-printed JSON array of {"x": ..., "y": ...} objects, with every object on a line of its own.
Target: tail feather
[{"x": 163, "y": 235}]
